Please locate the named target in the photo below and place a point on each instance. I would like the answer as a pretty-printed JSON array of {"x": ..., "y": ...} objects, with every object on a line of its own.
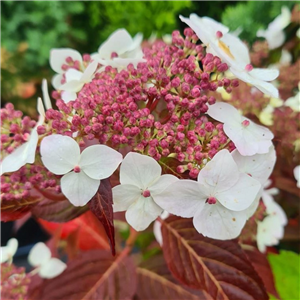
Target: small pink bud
[
  {"x": 146, "y": 193},
  {"x": 246, "y": 123},
  {"x": 211, "y": 200},
  {"x": 77, "y": 169},
  {"x": 249, "y": 68},
  {"x": 219, "y": 34}
]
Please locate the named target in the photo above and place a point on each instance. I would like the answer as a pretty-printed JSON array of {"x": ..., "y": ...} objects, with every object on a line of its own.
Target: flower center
[
  {"x": 211, "y": 200},
  {"x": 219, "y": 34},
  {"x": 146, "y": 193},
  {"x": 246, "y": 123},
  {"x": 249, "y": 68},
  {"x": 77, "y": 169}
]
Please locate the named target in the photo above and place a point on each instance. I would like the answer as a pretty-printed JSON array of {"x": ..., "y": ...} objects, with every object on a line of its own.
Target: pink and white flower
[
  {"x": 141, "y": 183},
  {"x": 120, "y": 49},
  {"x": 82, "y": 171},
  {"x": 233, "y": 51},
  {"x": 248, "y": 137},
  {"x": 217, "y": 201}
]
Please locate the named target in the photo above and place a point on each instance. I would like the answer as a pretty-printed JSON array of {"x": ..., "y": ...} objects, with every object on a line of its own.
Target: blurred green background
[{"x": 31, "y": 28}]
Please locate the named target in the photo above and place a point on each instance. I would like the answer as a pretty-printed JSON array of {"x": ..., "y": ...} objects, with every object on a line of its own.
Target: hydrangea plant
[{"x": 141, "y": 129}]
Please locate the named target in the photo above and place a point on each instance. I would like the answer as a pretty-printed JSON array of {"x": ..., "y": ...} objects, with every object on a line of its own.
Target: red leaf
[
  {"x": 220, "y": 268},
  {"x": 93, "y": 275},
  {"x": 155, "y": 273},
  {"x": 88, "y": 230},
  {"x": 57, "y": 211},
  {"x": 261, "y": 264},
  {"x": 101, "y": 206}
]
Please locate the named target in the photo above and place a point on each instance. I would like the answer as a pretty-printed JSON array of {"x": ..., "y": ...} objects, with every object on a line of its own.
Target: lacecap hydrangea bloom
[{"x": 183, "y": 152}]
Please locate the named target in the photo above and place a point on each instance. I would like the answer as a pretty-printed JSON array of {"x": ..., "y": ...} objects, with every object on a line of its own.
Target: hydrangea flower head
[
  {"x": 248, "y": 137},
  {"x": 217, "y": 201},
  {"x": 82, "y": 171},
  {"x": 141, "y": 182}
]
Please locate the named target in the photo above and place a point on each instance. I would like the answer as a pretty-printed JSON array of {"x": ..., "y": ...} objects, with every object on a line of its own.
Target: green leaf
[{"x": 286, "y": 271}]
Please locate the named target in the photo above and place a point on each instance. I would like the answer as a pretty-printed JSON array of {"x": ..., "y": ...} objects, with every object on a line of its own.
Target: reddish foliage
[
  {"x": 101, "y": 206},
  {"x": 220, "y": 268}
]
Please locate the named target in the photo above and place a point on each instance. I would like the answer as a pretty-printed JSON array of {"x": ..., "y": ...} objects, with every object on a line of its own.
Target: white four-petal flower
[
  {"x": 217, "y": 202},
  {"x": 75, "y": 80},
  {"x": 82, "y": 171},
  {"x": 141, "y": 182},
  {"x": 128, "y": 50},
  {"x": 25, "y": 154},
  {"x": 58, "y": 59},
  {"x": 274, "y": 34},
  {"x": 7, "y": 252},
  {"x": 271, "y": 229},
  {"x": 48, "y": 267},
  {"x": 248, "y": 137},
  {"x": 233, "y": 51}
]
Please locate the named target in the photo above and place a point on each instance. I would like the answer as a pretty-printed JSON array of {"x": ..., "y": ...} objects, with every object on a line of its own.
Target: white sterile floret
[
  {"x": 259, "y": 167},
  {"x": 25, "y": 154},
  {"x": 82, "y": 171},
  {"x": 248, "y": 137},
  {"x": 233, "y": 51},
  {"x": 271, "y": 229},
  {"x": 266, "y": 115},
  {"x": 141, "y": 182},
  {"x": 274, "y": 34},
  {"x": 297, "y": 175},
  {"x": 75, "y": 80},
  {"x": 7, "y": 252},
  {"x": 58, "y": 59},
  {"x": 48, "y": 267},
  {"x": 217, "y": 201},
  {"x": 120, "y": 50}
]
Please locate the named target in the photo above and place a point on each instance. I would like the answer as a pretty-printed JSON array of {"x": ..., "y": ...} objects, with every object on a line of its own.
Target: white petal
[
  {"x": 52, "y": 268},
  {"x": 39, "y": 255},
  {"x": 60, "y": 154},
  {"x": 68, "y": 96},
  {"x": 124, "y": 195},
  {"x": 136, "y": 42},
  {"x": 120, "y": 62},
  {"x": 241, "y": 195},
  {"x": 72, "y": 86},
  {"x": 79, "y": 188},
  {"x": 253, "y": 207},
  {"x": 142, "y": 212},
  {"x": 259, "y": 166},
  {"x": 73, "y": 74},
  {"x": 99, "y": 161},
  {"x": 224, "y": 112},
  {"x": 41, "y": 109},
  {"x": 56, "y": 81},
  {"x": 157, "y": 228},
  {"x": 139, "y": 170},
  {"x": 161, "y": 184},
  {"x": 273, "y": 208},
  {"x": 15, "y": 160},
  {"x": 8, "y": 251},
  {"x": 182, "y": 198},
  {"x": 119, "y": 41},
  {"x": 58, "y": 58},
  {"x": 217, "y": 222},
  {"x": 46, "y": 96},
  {"x": 89, "y": 72},
  {"x": 265, "y": 74},
  {"x": 220, "y": 173},
  {"x": 297, "y": 175},
  {"x": 22, "y": 155}
]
